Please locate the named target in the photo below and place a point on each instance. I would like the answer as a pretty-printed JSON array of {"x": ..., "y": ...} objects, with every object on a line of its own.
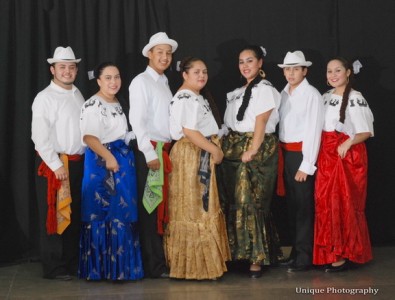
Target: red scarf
[{"x": 53, "y": 185}]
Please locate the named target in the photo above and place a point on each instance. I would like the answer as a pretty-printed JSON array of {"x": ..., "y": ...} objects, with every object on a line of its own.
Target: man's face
[
  {"x": 160, "y": 58},
  {"x": 64, "y": 74},
  {"x": 295, "y": 75}
]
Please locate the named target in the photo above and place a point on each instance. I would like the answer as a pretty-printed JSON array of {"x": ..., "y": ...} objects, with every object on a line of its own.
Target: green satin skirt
[{"x": 246, "y": 191}]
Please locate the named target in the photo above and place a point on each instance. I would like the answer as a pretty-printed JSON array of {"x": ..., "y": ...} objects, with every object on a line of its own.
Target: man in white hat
[
  {"x": 301, "y": 121},
  {"x": 150, "y": 96},
  {"x": 59, "y": 162}
]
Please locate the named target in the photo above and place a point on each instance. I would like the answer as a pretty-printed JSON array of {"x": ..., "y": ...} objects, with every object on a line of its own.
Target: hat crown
[
  {"x": 64, "y": 53},
  {"x": 157, "y": 37},
  {"x": 296, "y": 57}
]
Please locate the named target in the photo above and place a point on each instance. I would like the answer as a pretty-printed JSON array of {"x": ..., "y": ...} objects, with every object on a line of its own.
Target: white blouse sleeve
[
  {"x": 91, "y": 119},
  {"x": 360, "y": 114},
  {"x": 264, "y": 100},
  {"x": 186, "y": 111}
]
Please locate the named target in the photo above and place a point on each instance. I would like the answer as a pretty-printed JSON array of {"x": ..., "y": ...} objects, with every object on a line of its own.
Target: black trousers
[
  {"x": 300, "y": 203},
  {"x": 152, "y": 251},
  {"x": 59, "y": 253}
]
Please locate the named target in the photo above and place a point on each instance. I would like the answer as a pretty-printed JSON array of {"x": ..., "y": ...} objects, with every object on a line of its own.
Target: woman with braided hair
[
  {"x": 341, "y": 234},
  {"x": 249, "y": 168}
]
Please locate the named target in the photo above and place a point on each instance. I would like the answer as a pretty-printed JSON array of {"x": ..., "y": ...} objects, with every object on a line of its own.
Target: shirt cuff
[
  {"x": 307, "y": 168},
  {"x": 150, "y": 155},
  {"x": 55, "y": 165}
]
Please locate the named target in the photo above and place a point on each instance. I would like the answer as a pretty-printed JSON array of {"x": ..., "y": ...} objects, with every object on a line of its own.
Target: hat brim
[
  {"x": 170, "y": 42},
  {"x": 305, "y": 64},
  {"x": 56, "y": 60}
]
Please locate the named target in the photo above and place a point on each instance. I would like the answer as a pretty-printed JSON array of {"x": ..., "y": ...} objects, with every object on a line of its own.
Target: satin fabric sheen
[{"x": 341, "y": 229}]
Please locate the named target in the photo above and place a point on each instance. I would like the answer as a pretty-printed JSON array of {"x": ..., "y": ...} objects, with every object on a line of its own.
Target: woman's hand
[
  {"x": 248, "y": 156},
  {"x": 112, "y": 164},
  {"x": 217, "y": 156},
  {"x": 94, "y": 143},
  {"x": 343, "y": 148}
]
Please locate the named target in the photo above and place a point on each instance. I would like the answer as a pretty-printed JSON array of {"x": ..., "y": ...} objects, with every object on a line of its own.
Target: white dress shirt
[
  {"x": 264, "y": 97},
  {"x": 149, "y": 98},
  {"x": 191, "y": 111},
  {"x": 301, "y": 120},
  {"x": 55, "y": 123}
]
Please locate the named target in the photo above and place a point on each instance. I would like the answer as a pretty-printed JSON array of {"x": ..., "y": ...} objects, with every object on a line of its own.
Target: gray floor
[{"x": 24, "y": 281}]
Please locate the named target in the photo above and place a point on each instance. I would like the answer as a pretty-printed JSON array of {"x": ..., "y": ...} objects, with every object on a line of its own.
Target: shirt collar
[
  {"x": 62, "y": 90},
  {"x": 157, "y": 77},
  {"x": 298, "y": 89}
]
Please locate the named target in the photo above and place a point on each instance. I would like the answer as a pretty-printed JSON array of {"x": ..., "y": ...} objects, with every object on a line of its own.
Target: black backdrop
[{"x": 117, "y": 30}]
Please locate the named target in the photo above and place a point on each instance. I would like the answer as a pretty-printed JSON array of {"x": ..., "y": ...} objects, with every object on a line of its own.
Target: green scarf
[{"x": 153, "y": 193}]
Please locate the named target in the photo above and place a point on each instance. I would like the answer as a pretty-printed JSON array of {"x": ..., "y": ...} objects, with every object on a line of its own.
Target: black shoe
[
  {"x": 286, "y": 262},
  {"x": 255, "y": 274},
  {"x": 341, "y": 268},
  {"x": 301, "y": 268},
  {"x": 63, "y": 277},
  {"x": 164, "y": 275}
]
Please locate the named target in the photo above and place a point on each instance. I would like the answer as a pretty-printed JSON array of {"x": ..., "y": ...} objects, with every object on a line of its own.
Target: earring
[
  {"x": 348, "y": 79},
  {"x": 327, "y": 82},
  {"x": 262, "y": 74}
]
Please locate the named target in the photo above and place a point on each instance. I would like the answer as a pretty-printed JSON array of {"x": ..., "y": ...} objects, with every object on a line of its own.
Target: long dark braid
[
  {"x": 185, "y": 65},
  {"x": 348, "y": 88},
  {"x": 258, "y": 53},
  {"x": 213, "y": 105}
]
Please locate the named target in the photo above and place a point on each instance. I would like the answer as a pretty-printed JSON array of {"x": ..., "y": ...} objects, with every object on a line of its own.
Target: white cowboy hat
[
  {"x": 159, "y": 38},
  {"x": 295, "y": 59},
  {"x": 62, "y": 54}
]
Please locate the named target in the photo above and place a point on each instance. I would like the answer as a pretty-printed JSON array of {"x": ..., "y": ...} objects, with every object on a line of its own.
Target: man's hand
[
  {"x": 300, "y": 176},
  {"x": 154, "y": 165},
  {"x": 61, "y": 173}
]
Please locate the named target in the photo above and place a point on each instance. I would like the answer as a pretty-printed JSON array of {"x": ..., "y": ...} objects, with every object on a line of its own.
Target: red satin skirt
[{"x": 340, "y": 229}]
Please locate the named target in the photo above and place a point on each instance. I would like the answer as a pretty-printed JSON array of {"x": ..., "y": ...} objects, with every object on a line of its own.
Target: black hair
[
  {"x": 258, "y": 54},
  {"x": 99, "y": 68},
  {"x": 187, "y": 64},
  {"x": 346, "y": 64}
]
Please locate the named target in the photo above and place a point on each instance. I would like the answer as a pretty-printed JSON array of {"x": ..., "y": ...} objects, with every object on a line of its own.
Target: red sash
[
  {"x": 53, "y": 185},
  {"x": 296, "y": 147}
]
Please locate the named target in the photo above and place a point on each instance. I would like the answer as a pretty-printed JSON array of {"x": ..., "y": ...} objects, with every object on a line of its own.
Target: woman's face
[
  {"x": 336, "y": 74},
  {"x": 109, "y": 81},
  {"x": 196, "y": 77},
  {"x": 249, "y": 65}
]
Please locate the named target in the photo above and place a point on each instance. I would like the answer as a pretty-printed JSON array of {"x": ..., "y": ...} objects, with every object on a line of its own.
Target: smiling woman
[
  {"x": 195, "y": 241},
  {"x": 109, "y": 246},
  {"x": 249, "y": 169},
  {"x": 341, "y": 232}
]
